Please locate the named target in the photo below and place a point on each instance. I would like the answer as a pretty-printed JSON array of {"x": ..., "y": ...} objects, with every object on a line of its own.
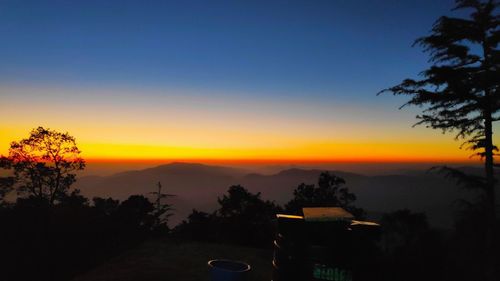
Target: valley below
[{"x": 197, "y": 186}]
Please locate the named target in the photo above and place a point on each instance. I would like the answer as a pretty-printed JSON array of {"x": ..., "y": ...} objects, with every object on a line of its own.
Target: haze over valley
[{"x": 197, "y": 186}]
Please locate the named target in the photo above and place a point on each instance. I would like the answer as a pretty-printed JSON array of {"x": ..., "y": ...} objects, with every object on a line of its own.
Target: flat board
[
  {"x": 367, "y": 223},
  {"x": 326, "y": 214}
]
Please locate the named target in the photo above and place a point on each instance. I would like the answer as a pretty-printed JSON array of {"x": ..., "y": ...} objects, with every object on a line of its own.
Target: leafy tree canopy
[
  {"x": 44, "y": 164},
  {"x": 242, "y": 204},
  {"x": 330, "y": 192},
  {"x": 460, "y": 89}
]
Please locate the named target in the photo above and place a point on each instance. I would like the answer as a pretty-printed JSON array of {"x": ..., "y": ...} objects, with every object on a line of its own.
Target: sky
[{"x": 241, "y": 81}]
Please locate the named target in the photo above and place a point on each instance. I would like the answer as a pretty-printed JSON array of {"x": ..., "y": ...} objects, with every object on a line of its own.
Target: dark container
[
  {"x": 227, "y": 270},
  {"x": 322, "y": 250}
]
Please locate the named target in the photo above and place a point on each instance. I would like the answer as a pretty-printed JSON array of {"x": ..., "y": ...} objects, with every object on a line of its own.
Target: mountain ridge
[{"x": 199, "y": 185}]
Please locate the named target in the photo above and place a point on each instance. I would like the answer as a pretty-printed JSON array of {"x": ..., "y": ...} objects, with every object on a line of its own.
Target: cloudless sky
[{"x": 241, "y": 80}]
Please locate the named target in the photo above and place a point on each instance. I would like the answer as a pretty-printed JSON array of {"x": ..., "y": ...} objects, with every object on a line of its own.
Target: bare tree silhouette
[{"x": 162, "y": 210}]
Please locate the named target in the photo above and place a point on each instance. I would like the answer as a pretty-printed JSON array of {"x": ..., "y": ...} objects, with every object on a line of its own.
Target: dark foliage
[
  {"x": 245, "y": 218},
  {"x": 6, "y": 182},
  {"x": 412, "y": 250},
  {"x": 242, "y": 218},
  {"x": 330, "y": 192},
  {"x": 199, "y": 226},
  {"x": 55, "y": 242},
  {"x": 460, "y": 89},
  {"x": 162, "y": 210},
  {"x": 467, "y": 256},
  {"x": 460, "y": 93},
  {"x": 50, "y": 233},
  {"x": 43, "y": 165},
  {"x": 474, "y": 184}
]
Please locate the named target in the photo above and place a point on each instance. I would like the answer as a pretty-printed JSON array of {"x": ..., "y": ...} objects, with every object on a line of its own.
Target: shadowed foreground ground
[{"x": 161, "y": 260}]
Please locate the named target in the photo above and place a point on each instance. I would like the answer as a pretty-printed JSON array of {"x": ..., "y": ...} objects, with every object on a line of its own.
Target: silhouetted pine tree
[{"x": 460, "y": 91}]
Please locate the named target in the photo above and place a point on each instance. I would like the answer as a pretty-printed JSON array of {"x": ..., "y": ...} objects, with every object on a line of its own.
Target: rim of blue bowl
[{"x": 247, "y": 266}]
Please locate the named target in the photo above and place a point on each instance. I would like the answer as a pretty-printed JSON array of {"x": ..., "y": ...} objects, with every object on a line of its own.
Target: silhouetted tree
[
  {"x": 162, "y": 210},
  {"x": 105, "y": 206},
  {"x": 409, "y": 243},
  {"x": 44, "y": 164},
  {"x": 73, "y": 199},
  {"x": 467, "y": 243},
  {"x": 472, "y": 183},
  {"x": 403, "y": 228},
  {"x": 51, "y": 233},
  {"x": 242, "y": 218},
  {"x": 460, "y": 91},
  {"x": 137, "y": 212},
  {"x": 6, "y": 181},
  {"x": 330, "y": 192},
  {"x": 199, "y": 226},
  {"x": 245, "y": 218},
  {"x": 240, "y": 203}
]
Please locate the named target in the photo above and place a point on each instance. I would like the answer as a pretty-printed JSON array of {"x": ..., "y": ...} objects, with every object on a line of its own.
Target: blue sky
[
  {"x": 349, "y": 49},
  {"x": 208, "y": 78}
]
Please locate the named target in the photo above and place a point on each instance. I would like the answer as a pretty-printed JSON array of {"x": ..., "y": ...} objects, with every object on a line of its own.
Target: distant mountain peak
[
  {"x": 181, "y": 163},
  {"x": 295, "y": 171},
  {"x": 314, "y": 172},
  {"x": 194, "y": 168}
]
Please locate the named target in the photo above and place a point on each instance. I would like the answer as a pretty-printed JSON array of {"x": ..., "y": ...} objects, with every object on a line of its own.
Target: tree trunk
[
  {"x": 490, "y": 191},
  {"x": 488, "y": 165}
]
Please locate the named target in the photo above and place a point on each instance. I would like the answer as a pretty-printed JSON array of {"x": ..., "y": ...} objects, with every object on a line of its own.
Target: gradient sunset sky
[{"x": 219, "y": 80}]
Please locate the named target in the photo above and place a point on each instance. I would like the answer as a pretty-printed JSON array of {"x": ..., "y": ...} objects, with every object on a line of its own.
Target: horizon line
[{"x": 282, "y": 161}]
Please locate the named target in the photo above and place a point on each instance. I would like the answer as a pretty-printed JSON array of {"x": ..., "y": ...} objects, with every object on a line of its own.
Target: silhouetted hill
[
  {"x": 198, "y": 186},
  {"x": 193, "y": 168}
]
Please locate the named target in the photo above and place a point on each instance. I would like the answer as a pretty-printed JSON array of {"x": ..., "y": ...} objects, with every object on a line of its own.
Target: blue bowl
[{"x": 228, "y": 270}]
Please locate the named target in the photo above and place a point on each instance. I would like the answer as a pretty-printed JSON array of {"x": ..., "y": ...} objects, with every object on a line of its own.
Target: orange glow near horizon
[
  {"x": 312, "y": 153},
  {"x": 277, "y": 161},
  {"x": 259, "y": 150},
  {"x": 305, "y": 152},
  {"x": 221, "y": 129}
]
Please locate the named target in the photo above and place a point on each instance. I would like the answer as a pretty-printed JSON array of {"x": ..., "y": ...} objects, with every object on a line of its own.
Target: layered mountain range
[{"x": 197, "y": 186}]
